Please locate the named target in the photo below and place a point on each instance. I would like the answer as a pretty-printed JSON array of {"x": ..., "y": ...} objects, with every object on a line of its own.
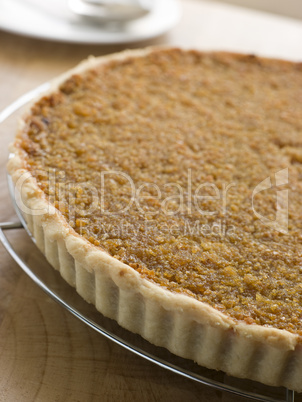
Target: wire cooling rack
[{"x": 19, "y": 243}]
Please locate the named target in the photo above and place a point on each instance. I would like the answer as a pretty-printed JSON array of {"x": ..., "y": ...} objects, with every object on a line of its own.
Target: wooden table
[{"x": 46, "y": 353}]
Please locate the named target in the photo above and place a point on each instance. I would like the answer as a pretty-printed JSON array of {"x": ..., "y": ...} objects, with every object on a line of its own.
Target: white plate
[{"x": 52, "y": 20}]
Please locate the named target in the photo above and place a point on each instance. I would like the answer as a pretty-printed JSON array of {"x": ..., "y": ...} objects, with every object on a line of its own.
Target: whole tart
[{"x": 165, "y": 185}]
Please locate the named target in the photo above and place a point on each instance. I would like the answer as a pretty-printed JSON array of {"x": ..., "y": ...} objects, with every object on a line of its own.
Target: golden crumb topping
[{"x": 186, "y": 166}]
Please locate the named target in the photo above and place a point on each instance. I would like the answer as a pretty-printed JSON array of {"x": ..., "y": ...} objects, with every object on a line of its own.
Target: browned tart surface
[{"x": 156, "y": 159}]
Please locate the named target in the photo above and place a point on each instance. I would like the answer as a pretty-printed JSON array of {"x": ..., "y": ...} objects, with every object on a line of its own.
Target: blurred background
[{"x": 289, "y": 8}]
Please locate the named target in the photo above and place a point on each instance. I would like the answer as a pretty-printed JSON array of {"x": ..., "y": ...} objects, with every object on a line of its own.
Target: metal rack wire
[{"x": 80, "y": 309}]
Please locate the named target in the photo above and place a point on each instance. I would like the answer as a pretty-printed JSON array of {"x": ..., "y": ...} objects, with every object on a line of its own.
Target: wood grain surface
[{"x": 46, "y": 354}]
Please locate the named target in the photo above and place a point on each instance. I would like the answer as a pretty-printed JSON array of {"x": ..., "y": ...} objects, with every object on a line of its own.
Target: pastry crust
[{"x": 187, "y": 327}]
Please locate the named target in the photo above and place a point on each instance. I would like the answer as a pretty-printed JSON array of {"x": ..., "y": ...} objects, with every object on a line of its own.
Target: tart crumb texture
[{"x": 156, "y": 159}]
